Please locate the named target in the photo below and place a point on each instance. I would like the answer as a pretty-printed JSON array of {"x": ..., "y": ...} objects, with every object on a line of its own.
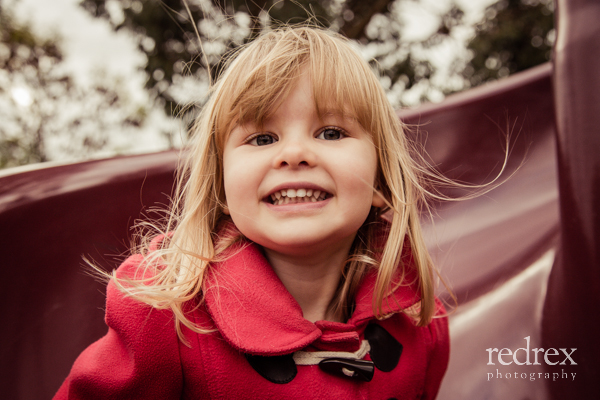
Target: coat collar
[{"x": 255, "y": 313}]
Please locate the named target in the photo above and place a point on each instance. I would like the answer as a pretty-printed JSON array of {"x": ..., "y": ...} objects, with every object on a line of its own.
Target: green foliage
[
  {"x": 43, "y": 112},
  {"x": 23, "y": 57},
  {"x": 166, "y": 33},
  {"x": 515, "y": 35}
]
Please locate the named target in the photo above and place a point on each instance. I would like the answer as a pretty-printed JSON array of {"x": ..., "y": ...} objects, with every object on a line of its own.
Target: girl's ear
[{"x": 377, "y": 200}]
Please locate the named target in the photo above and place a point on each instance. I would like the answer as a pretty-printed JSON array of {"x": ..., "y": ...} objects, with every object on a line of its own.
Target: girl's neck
[{"x": 312, "y": 280}]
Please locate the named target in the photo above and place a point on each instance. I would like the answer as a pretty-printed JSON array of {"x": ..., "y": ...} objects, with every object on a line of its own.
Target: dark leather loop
[
  {"x": 276, "y": 369},
  {"x": 385, "y": 349}
]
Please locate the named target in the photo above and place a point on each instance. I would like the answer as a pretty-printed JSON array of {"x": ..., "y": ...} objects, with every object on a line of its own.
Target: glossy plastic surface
[
  {"x": 495, "y": 250},
  {"x": 571, "y": 309},
  {"x": 49, "y": 219}
]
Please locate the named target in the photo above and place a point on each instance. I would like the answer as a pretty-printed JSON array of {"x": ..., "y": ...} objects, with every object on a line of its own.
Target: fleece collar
[{"x": 255, "y": 313}]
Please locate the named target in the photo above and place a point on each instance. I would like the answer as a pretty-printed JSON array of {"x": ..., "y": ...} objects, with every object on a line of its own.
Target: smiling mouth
[{"x": 296, "y": 196}]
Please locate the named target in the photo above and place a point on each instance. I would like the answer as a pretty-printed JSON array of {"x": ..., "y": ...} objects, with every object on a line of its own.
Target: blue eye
[
  {"x": 262, "y": 140},
  {"x": 330, "y": 134}
]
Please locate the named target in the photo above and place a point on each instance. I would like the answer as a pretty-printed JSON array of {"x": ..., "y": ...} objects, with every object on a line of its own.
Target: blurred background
[{"x": 84, "y": 79}]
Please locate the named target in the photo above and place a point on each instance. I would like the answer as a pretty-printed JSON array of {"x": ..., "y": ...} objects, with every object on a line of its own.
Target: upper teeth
[{"x": 286, "y": 195}]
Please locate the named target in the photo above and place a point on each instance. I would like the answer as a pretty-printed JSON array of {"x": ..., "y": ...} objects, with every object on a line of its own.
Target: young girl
[{"x": 278, "y": 277}]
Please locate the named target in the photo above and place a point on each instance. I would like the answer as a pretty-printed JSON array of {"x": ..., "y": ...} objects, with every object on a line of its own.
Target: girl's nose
[{"x": 296, "y": 153}]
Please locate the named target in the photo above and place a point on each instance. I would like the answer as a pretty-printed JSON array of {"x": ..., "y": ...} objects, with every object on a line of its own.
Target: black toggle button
[{"x": 357, "y": 369}]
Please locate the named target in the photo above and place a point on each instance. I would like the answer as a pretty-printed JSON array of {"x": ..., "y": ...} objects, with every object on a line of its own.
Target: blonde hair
[{"x": 256, "y": 80}]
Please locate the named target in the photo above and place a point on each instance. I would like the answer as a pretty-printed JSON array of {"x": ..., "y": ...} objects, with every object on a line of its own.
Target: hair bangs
[
  {"x": 343, "y": 82},
  {"x": 259, "y": 80}
]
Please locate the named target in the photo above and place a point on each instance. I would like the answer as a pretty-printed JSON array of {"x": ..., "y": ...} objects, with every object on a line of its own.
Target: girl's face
[{"x": 301, "y": 184}]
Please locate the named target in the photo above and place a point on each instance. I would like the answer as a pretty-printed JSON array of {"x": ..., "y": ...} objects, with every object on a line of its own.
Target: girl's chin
[
  {"x": 293, "y": 243},
  {"x": 310, "y": 243}
]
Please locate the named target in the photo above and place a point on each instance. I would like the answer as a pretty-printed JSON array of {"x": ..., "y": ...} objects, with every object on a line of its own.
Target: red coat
[{"x": 141, "y": 356}]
